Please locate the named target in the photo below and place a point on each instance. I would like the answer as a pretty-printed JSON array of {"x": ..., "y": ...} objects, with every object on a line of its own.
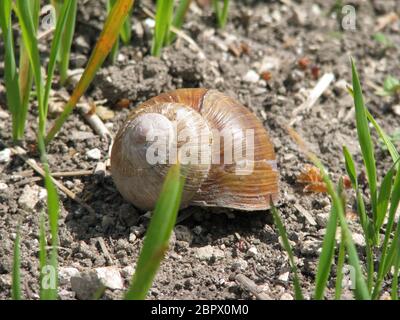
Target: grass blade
[
  {"x": 163, "y": 22},
  {"x": 158, "y": 233},
  {"x": 340, "y": 264},
  {"x": 55, "y": 47},
  {"x": 289, "y": 251},
  {"x": 178, "y": 19},
  {"x": 67, "y": 37},
  {"x": 126, "y": 30},
  {"x": 364, "y": 138},
  {"x": 326, "y": 257},
  {"x": 222, "y": 14},
  {"x": 383, "y": 198},
  {"x": 115, "y": 49},
  {"x": 25, "y": 18},
  {"x": 16, "y": 274},
  {"x": 10, "y": 69},
  {"x": 103, "y": 47}
]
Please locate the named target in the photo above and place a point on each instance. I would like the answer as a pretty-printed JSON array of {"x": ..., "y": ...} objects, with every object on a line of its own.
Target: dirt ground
[{"x": 294, "y": 43}]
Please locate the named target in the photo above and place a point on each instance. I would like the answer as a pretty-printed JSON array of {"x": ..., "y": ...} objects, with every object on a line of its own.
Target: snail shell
[{"x": 199, "y": 116}]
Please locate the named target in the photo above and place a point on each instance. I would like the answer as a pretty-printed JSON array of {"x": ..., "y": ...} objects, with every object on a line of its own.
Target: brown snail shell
[{"x": 200, "y": 113}]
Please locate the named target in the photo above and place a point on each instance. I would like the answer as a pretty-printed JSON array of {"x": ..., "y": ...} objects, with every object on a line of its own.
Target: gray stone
[
  {"x": 240, "y": 264},
  {"x": 208, "y": 252},
  {"x": 322, "y": 219},
  {"x": 252, "y": 252},
  {"x": 3, "y": 187},
  {"x": 88, "y": 284},
  {"x": 310, "y": 247},
  {"x": 183, "y": 233},
  {"x": 29, "y": 197},
  {"x": 66, "y": 273}
]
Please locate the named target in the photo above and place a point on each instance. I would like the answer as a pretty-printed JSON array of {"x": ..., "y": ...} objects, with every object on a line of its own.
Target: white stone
[
  {"x": 5, "y": 155},
  {"x": 396, "y": 109},
  {"x": 29, "y": 197},
  {"x": 252, "y": 251},
  {"x": 284, "y": 277},
  {"x": 251, "y": 76},
  {"x": 3, "y": 186},
  {"x": 110, "y": 277},
  {"x": 127, "y": 272},
  {"x": 94, "y": 154},
  {"x": 66, "y": 273}
]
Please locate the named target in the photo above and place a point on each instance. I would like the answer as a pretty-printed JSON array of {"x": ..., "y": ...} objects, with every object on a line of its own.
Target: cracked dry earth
[{"x": 269, "y": 57}]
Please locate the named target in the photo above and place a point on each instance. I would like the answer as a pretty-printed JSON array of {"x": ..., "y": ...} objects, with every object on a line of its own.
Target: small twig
[
  {"x": 250, "y": 286},
  {"x": 94, "y": 120},
  {"x": 32, "y": 163},
  {"x": 305, "y": 213},
  {"x": 313, "y": 97},
  {"x": 104, "y": 249},
  {"x": 72, "y": 173}
]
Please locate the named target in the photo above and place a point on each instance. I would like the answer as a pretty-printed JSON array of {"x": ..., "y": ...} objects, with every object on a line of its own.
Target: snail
[{"x": 228, "y": 157}]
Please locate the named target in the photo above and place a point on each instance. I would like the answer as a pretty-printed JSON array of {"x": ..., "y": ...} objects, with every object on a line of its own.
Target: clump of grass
[
  {"x": 221, "y": 12},
  {"x": 158, "y": 233},
  {"x": 382, "y": 244},
  {"x": 63, "y": 56},
  {"x": 165, "y": 18},
  {"x": 108, "y": 36}
]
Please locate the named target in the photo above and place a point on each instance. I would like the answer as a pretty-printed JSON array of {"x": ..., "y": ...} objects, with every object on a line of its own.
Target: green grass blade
[
  {"x": 383, "y": 198},
  {"x": 16, "y": 274},
  {"x": 163, "y": 22},
  {"x": 10, "y": 69},
  {"x": 115, "y": 49},
  {"x": 55, "y": 47},
  {"x": 286, "y": 245},
  {"x": 179, "y": 18},
  {"x": 340, "y": 264},
  {"x": 326, "y": 257},
  {"x": 103, "y": 47},
  {"x": 388, "y": 250},
  {"x": 67, "y": 37},
  {"x": 25, "y": 18},
  {"x": 126, "y": 30},
  {"x": 364, "y": 137},
  {"x": 395, "y": 281},
  {"x": 222, "y": 14},
  {"x": 386, "y": 139},
  {"x": 42, "y": 254},
  {"x": 350, "y": 167},
  {"x": 158, "y": 233}
]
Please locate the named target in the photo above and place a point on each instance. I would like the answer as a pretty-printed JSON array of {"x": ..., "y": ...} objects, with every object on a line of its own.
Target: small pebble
[
  {"x": 5, "y": 155},
  {"x": 94, "y": 154},
  {"x": 3, "y": 186},
  {"x": 252, "y": 252},
  {"x": 251, "y": 76},
  {"x": 286, "y": 296}
]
